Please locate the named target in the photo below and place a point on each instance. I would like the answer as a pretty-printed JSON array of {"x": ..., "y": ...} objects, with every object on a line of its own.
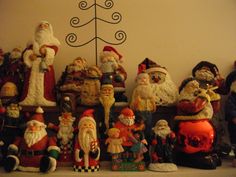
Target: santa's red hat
[
  {"x": 111, "y": 51},
  {"x": 149, "y": 66},
  {"x": 87, "y": 115},
  {"x": 38, "y": 116},
  {"x": 127, "y": 113}
]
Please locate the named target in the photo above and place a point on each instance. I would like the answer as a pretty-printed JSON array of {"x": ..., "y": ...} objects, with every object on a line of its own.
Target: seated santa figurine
[
  {"x": 194, "y": 130},
  {"x": 35, "y": 151}
]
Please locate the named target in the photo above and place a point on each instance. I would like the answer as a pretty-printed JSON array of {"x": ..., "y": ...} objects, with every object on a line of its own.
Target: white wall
[{"x": 176, "y": 34}]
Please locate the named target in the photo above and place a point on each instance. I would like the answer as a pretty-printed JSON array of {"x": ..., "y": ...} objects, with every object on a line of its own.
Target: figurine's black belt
[{"x": 32, "y": 153}]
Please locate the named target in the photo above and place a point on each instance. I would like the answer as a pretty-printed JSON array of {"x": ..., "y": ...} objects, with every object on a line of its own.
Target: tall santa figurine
[
  {"x": 35, "y": 151},
  {"x": 39, "y": 78},
  {"x": 87, "y": 150}
]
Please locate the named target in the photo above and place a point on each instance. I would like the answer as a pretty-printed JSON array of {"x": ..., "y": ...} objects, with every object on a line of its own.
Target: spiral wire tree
[{"x": 120, "y": 35}]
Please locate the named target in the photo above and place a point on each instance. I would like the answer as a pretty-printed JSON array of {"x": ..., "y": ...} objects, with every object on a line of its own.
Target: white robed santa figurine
[
  {"x": 39, "y": 78},
  {"x": 35, "y": 151},
  {"x": 86, "y": 150}
]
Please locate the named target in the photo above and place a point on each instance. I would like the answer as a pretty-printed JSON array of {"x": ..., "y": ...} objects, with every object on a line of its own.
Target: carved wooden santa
[
  {"x": 35, "y": 151},
  {"x": 86, "y": 150},
  {"x": 39, "y": 80}
]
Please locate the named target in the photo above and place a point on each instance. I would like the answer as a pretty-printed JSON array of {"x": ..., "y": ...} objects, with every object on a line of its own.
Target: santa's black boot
[
  {"x": 45, "y": 164},
  {"x": 9, "y": 164}
]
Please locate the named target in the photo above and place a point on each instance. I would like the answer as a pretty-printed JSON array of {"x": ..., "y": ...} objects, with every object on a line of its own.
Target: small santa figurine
[
  {"x": 39, "y": 56},
  {"x": 107, "y": 101},
  {"x": 164, "y": 89},
  {"x": 126, "y": 125},
  {"x": 112, "y": 70},
  {"x": 65, "y": 136},
  {"x": 86, "y": 149},
  {"x": 230, "y": 108},
  {"x": 35, "y": 151},
  {"x": 194, "y": 130},
  {"x": 162, "y": 146},
  {"x": 142, "y": 101}
]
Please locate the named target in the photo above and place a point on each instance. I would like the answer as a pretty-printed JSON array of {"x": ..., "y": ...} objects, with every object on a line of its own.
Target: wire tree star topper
[{"x": 120, "y": 36}]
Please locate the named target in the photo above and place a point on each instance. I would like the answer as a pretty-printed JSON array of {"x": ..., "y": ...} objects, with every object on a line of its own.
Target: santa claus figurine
[
  {"x": 230, "y": 108},
  {"x": 65, "y": 138},
  {"x": 86, "y": 149},
  {"x": 162, "y": 145},
  {"x": 142, "y": 101},
  {"x": 112, "y": 70},
  {"x": 39, "y": 80},
  {"x": 194, "y": 130},
  {"x": 35, "y": 151}
]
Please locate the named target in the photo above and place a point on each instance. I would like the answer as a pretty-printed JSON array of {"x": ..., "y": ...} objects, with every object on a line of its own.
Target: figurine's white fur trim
[
  {"x": 157, "y": 69},
  {"x": 53, "y": 164},
  {"x": 17, "y": 161},
  {"x": 27, "y": 59},
  {"x": 13, "y": 146},
  {"x": 53, "y": 148},
  {"x": 35, "y": 94},
  {"x": 119, "y": 89},
  {"x": 28, "y": 169},
  {"x": 109, "y": 53}
]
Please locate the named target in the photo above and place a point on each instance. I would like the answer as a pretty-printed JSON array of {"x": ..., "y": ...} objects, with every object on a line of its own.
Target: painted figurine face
[
  {"x": 157, "y": 77},
  {"x": 107, "y": 90},
  {"x": 143, "y": 79},
  {"x": 204, "y": 74},
  {"x": 191, "y": 87},
  {"x": 13, "y": 111}
]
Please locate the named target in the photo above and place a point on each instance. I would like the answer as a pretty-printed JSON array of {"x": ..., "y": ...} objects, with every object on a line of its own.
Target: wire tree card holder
[{"x": 120, "y": 36}]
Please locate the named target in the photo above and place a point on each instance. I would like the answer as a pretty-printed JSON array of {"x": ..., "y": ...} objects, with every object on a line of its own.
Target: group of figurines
[{"x": 133, "y": 135}]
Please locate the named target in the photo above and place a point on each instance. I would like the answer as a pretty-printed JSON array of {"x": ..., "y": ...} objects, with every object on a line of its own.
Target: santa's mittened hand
[
  {"x": 81, "y": 154},
  {"x": 93, "y": 154}
]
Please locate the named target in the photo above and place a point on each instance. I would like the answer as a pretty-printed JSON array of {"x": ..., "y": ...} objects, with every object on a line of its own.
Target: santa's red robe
[
  {"x": 85, "y": 163},
  {"x": 38, "y": 86}
]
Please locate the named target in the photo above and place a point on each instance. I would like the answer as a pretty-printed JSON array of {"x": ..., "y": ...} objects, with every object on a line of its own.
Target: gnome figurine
[{"x": 35, "y": 151}]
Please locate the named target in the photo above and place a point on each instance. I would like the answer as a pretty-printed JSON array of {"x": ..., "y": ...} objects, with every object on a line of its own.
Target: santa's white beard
[
  {"x": 44, "y": 37},
  {"x": 204, "y": 75},
  {"x": 65, "y": 133},
  {"x": 13, "y": 113},
  {"x": 33, "y": 137},
  {"x": 190, "y": 96},
  {"x": 162, "y": 132},
  {"x": 166, "y": 93},
  {"x": 144, "y": 91},
  {"x": 126, "y": 121},
  {"x": 86, "y": 137}
]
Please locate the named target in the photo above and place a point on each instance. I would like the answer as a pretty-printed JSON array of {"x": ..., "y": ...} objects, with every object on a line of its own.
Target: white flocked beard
[
  {"x": 65, "y": 133},
  {"x": 166, "y": 93},
  {"x": 126, "y": 121},
  {"x": 162, "y": 132},
  {"x": 33, "y": 137}
]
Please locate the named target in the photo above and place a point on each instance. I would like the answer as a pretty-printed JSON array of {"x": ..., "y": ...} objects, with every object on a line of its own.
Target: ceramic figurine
[
  {"x": 194, "y": 130},
  {"x": 86, "y": 149},
  {"x": 114, "y": 142},
  {"x": 90, "y": 89},
  {"x": 9, "y": 93},
  {"x": 164, "y": 89},
  {"x": 35, "y": 151},
  {"x": 65, "y": 136},
  {"x": 12, "y": 125},
  {"x": 12, "y": 72},
  {"x": 112, "y": 70},
  {"x": 142, "y": 101},
  {"x": 230, "y": 107},
  {"x": 39, "y": 79},
  {"x": 133, "y": 143},
  {"x": 71, "y": 81},
  {"x": 107, "y": 101},
  {"x": 162, "y": 147},
  {"x": 208, "y": 76}
]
